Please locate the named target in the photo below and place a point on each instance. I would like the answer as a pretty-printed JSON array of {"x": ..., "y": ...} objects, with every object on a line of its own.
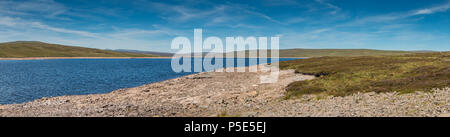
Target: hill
[
  {"x": 164, "y": 54},
  {"x": 337, "y": 52},
  {"x": 22, "y": 49},
  {"x": 333, "y": 52}
]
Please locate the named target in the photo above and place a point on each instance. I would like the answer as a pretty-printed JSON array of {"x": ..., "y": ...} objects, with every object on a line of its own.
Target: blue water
[{"x": 27, "y": 80}]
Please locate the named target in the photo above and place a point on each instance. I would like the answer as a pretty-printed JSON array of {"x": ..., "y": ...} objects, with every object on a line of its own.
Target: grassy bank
[
  {"x": 24, "y": 49},
  {"x": 340, "y": 76}
]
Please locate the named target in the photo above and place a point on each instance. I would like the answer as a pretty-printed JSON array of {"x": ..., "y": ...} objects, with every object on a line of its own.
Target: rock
[
  {"x": 445, "y": 115},
  {"x": 253, "y": 93}
]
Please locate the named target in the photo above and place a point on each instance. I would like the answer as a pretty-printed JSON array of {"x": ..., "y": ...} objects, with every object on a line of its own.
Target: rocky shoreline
[{"x": 231, "y": 94}]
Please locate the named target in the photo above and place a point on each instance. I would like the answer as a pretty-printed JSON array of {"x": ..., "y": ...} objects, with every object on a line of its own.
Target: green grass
[
  {"x": 341, "y": 76},
  {"x": 225, "y": 114},
  {"x": 23, "y": 49}
]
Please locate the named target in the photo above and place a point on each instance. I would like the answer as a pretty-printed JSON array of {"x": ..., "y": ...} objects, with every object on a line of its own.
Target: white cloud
[
  {"x": 8, "y": 21},
  {"x": 321, "y": 30},
  {"x": 130, "y": 33},
  {"x": 210, "y": 14},
  {"x": 295, "y": 20},
  {"x": 329, "y": 5},
  {"x": 400, "y": 16},
  {"x": 281, "y": 3},
  {"x": 423, "y": 11},
  {"x": 45, "y": 8},
  {"x": 18, "y": 23},
  {"x": 241, "y": 25},
  {"x": 62, "y": 30},
  {"x": 432, "y": 10},
  {"x": 16, "y": 29},
  {"x": 264, "y": 16}
]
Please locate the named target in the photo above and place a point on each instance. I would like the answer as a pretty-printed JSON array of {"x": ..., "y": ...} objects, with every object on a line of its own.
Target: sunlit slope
[{"x": 21, "y": 49}]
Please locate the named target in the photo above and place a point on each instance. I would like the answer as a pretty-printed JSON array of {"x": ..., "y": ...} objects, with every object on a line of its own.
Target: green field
[
  {"x": 23, "y": 49},
  {"x": 341, "y": 76}
]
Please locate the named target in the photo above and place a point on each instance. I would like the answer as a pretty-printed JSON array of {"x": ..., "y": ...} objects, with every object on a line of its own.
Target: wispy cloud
[
  {"x": 18, "y": 23},
  {"x": 132, "y": 33},
  {"x": 441, "y": 8},
  {"x": 281, "y": 3},
  {"x": 8, "y": 21},
  {"x": 329, "y": 5},
  {"x": 212, "y": 15},
  {"x": 141, "y": 39},
  {"x": 179, "y": 13},
  {"x": 390, "y": 17},
  {"x": 142, "y": 23},
  {"x": 22, "y": 29},
  {"x": 45, "y": 8},
  {"x": 295, "y": 20},
  {"x": 63, "y": 30}
]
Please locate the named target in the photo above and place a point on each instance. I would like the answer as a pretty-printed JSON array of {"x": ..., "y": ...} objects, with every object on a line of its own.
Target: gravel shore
[{"x": 232, "y": 94}]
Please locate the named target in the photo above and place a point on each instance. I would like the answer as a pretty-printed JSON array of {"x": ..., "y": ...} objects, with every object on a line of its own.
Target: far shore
[{"x": 46, "y": 58}]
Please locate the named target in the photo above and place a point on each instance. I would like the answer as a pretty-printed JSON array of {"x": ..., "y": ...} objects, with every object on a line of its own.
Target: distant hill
[
  {"x": 164, "y": 54},
  {"x": 338, "y": 52},
  {"x": 21, "y": 49},
  {"x": 333, "y": 52}
]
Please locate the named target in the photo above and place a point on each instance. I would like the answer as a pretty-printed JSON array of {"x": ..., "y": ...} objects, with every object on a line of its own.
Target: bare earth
[{"x": 231, "y": 94}]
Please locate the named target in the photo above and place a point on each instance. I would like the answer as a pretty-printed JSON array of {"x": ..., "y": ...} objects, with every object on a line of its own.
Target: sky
[{"x": 151, "y": 25}]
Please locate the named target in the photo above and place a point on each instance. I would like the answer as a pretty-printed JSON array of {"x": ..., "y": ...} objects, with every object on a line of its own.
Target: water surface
[{"x": 27, "y": 80}]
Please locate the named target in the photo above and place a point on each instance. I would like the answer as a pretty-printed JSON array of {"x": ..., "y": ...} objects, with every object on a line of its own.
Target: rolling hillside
[
  {"x": 163, "y": 54},
  {"x": 22, "y": 49}
]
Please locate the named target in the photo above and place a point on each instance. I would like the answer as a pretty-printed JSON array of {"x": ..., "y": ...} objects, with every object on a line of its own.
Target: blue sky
[{"x": 151, "y": 25}]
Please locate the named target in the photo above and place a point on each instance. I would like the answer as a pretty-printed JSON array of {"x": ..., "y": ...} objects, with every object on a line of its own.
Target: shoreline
[
  {"x": 182, "y": 96},
  {"x": 213, "y": 94},
  {"x": 49, "y": 58}
]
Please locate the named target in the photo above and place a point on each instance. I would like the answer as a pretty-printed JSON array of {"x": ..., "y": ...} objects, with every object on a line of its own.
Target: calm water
[{"x": 27, "y": 80}]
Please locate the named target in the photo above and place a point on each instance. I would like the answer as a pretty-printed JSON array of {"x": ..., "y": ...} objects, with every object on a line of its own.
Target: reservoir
[{"x": 27, "y": 80}]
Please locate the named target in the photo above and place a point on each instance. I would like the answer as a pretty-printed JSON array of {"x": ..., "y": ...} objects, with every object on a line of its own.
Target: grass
[
  {"x": 225, "y": 114},
  {"x": 341, "y": 76},
  {"x": 22, "y": 49}
]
